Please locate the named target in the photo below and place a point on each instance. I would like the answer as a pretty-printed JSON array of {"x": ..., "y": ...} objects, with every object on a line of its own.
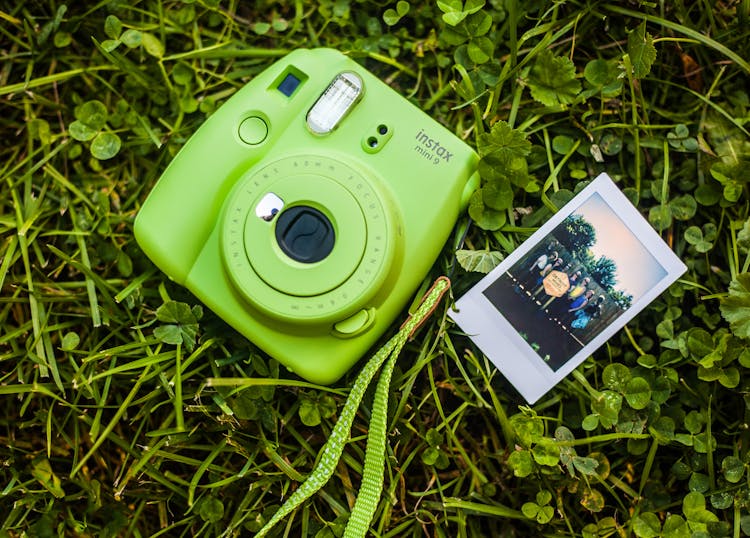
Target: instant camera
[{"x": 308, "y": 209}]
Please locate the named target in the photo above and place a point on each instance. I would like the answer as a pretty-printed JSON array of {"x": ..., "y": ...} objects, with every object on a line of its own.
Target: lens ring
[{"x": 276, "y": 289}]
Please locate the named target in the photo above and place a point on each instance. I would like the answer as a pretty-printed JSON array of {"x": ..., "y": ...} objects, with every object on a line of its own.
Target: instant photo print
[{"x": 567, "y": 289}]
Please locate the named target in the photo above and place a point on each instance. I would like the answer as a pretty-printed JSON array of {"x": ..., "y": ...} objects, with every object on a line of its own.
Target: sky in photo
[{"x": 637, "y": 269}]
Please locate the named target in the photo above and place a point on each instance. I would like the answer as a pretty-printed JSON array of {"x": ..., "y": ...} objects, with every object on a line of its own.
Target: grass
[{"x": 106, "y": 430}]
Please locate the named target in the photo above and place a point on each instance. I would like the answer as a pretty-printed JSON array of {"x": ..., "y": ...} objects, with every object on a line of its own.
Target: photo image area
[{"x": 575, "y": 282}]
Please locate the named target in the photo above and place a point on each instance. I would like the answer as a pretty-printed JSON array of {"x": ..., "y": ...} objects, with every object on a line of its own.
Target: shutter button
[{"x": 354, "y": 324}]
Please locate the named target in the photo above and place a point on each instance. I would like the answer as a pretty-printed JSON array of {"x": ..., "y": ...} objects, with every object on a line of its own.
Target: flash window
[{"x": 335, "y": 103}]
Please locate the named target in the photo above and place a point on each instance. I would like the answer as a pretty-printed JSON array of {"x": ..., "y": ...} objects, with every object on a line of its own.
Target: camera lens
[
  {"x": 372, "y": 142},
  {"x": 305, "y": 234},
  {"x": 382, "y": 129}
]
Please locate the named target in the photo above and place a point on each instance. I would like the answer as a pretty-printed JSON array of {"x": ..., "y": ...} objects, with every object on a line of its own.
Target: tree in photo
[
  {"x": 621, "y": 299},
  {"x": 576, "y": 234},
  {"x": 586, "y": 258},
  {"x": 604, "y": 271}
]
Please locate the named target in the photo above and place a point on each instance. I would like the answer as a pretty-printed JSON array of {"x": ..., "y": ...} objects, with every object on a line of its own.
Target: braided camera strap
[{"x": 372, "y": 474}]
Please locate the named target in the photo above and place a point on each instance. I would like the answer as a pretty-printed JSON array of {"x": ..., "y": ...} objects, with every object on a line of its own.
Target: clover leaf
[
  {"x": 694, "y": 508},
  {"x": 647, "y": 525},
  {"x": 593, "y": 500},
  {"x": 540, "y": 510},
  {"x": 481, "y": 49},
  {"x": 607, "y": 526},
  {"x": 92, "y": 113},
  {"x": 498, "y": 195},
  {"x": 105, "y": 146},
  {"x": 392, "y": 16},
  {"x": 603, "y": 77},
  {"x": 91, "y": 119},
  {"x": 502, "y": 166},
  {"x": 132, "y": 38},
  {"x": 546, "y": 453},
  {"x": 607, "y": 407},
  {"x": 660, "y": 217},
  {"x": 681, "y": 140},
  {"x": 112, "y": 26},
  {"x": 732, "y": 175},
  {"x": 662, "y": 430},
  {"x": 529, "y": 428},
  {"x": 675, "y": 527},
  {"x": 615, "y": 376},
  {"x": 585, "y": 465},
  {"x": 638, "y": 393},
  {"x": 521, "y": 463},
  {"x": 152, "y": 44},
  {"x": 485, "y": 217},
  {"x": 180, "y": 323},
  {"x": 683, "y": 207},
  {"x": 733, "y": 469},
  {"x": 700, "y": 343},
  {"x": 694, "y": 236},
  {"x": 81, "y": 132},
  {"x": 433, "y": 454},
  {"x": 313, "y": 408},
  {"x": 211, "y": 509},
  {"x": 454, "y": 11}
]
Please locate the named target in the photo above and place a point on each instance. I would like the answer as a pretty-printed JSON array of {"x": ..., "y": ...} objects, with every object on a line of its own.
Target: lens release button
[
  {"x": 305, "y": 234},
  {"x": 253, "y": 130}
]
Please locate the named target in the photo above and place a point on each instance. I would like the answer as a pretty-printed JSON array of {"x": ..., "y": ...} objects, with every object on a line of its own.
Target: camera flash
[{"x": 330, "y": 108}]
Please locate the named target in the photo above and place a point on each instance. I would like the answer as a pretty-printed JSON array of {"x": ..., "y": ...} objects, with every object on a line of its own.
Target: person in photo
[
  {"x": 536, "y": 271},
  {"x": 581, "y": 301},
  {"x": 578, "y": 289},
  {"x": 591, "y": 311}
]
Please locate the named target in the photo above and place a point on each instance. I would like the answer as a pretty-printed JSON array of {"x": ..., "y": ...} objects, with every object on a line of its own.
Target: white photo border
[{"x": 500, "y": 341}]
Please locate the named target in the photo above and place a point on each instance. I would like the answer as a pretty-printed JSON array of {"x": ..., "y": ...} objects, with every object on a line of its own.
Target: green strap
[
  {"x": 372, "y": 475},
  {"x": 372, "y": 472}
]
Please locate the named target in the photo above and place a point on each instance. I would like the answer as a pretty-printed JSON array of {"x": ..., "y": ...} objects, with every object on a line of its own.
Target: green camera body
[{"x": 308, "y": 208}]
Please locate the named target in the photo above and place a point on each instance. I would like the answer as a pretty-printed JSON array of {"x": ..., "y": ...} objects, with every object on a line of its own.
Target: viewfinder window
[{"x": 288, "y": 85}]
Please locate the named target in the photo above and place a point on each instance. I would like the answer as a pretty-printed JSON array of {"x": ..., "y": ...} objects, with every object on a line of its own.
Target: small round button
[{"x": 253, "y": 130}]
